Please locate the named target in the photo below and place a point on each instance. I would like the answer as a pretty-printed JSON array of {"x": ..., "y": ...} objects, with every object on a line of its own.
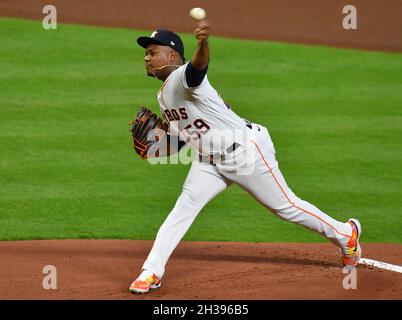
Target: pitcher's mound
[{"x": 104, "y": 269}]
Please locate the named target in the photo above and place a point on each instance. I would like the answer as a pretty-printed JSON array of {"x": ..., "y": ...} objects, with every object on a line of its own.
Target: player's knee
[
  {"x": 284, "y": 210},
  {"x": 188, "y": 196},
  {"x": 188, "y": 201}
]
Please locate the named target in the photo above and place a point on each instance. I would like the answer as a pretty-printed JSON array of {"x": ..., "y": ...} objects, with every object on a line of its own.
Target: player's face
[{"x": 156, "y": 57}]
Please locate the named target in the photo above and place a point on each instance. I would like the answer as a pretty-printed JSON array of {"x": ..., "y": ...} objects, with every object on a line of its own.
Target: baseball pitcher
[{"x": 229, "y": 150}]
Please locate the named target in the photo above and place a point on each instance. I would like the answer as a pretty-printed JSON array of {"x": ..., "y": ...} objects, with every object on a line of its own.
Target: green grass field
[{"x": 67, "y": 168}]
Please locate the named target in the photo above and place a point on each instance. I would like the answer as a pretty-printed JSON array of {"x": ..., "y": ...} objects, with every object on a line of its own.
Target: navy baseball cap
[{"x": 163, "y": 37}]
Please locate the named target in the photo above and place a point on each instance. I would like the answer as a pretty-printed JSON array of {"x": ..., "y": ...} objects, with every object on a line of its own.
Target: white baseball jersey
[{"x": 198, "y": 115}]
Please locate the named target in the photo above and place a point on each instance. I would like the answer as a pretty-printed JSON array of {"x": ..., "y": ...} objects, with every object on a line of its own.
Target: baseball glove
[{"x": 146, "y": 130}]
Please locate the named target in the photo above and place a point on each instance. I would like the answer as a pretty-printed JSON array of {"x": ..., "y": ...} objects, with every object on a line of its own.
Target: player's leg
[
  {"x": 267, "y": 184},
  {"x": 202, "y": 184}
]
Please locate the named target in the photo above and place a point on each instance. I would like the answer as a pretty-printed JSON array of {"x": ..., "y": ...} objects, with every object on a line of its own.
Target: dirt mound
[{"x": 104, "y": 269}]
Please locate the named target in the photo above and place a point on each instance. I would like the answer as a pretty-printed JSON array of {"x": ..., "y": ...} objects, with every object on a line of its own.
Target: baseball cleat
[
  {"x": 352, "y": 252},
  {"x": 143, "y": 285}
]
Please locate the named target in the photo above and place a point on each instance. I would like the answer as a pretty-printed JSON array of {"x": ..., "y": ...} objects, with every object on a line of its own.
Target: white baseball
[{"x": 198, "y": 13}]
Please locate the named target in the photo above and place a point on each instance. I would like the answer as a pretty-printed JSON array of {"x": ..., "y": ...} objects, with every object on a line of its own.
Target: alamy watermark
[
  {"x": 50, "y": 20},
  {"x": 231, "y": 148},
  {"x": 50, "y": 279},
  {"x": 350, "y": 280},
  {"x": 350, "y": 20}
]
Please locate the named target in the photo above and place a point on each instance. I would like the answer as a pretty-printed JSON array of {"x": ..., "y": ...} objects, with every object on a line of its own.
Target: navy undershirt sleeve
[{"x": 194, "y": 76}]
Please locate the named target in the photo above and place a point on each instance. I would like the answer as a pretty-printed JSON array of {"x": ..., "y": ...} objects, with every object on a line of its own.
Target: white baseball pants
[{"x": 255, "y": 169}]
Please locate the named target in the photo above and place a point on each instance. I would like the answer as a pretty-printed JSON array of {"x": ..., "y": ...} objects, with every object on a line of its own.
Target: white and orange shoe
[
  {"x": 145, "y": 281},
  {"x": 352, "y": 251}
]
